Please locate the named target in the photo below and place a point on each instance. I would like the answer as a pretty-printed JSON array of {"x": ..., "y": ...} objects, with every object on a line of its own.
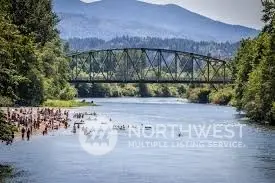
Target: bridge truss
[{"x": 144, "y": 65}]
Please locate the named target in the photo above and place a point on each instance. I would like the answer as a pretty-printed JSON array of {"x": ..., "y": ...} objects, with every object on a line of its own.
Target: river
[{"x": 59, "y": 157}]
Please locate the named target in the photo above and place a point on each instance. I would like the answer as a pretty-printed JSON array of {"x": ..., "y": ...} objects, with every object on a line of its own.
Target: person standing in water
[
  {"x": 12, "y": 136},
  {"x": 74, "y": 129},
  {"x": 28, "y": 134},
  {"x": 23, "y": 133}
]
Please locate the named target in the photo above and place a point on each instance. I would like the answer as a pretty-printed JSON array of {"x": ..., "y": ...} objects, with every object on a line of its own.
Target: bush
[
  {"x": 5, "y": 102},
  {"x": 222, "y": 96},
  {"x": 198, "y": 95},
  {"x": 129, "y": 90},
  {"x": 181, "y": 90},
  {"x": 68, "y": 93}
]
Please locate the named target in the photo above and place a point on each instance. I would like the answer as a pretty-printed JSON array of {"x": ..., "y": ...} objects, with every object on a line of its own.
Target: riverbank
[
  {"x": 195, "y": 94},
  {"x": 29, "y": 121},
  {"x": 130, "y": 90},
  {"x": 223, "y": 96},
  {"x": 67, "y": 103}
]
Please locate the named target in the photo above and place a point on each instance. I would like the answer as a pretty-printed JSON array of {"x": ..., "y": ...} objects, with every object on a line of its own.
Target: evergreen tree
[
  {"x": 269, "y": 15},
  {"x": 33, "y": 65},
  {"x": 255, "y": 65},
  {"x": 36, "y": 18}
]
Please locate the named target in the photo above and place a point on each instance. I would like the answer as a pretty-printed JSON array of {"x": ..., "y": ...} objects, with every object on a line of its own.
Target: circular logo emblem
[{"x": 98, "y": 138}]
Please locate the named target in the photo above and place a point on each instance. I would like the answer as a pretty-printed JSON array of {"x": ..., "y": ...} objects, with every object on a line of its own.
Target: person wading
[
  {"x": 12, "y": 136},
  {"x": 23, "y": 133},
  {"x": 28, "y": 134}
]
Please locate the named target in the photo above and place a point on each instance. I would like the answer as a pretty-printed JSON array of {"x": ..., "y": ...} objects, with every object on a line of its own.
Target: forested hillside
[
  {"x": 33, "y": 65},
  {"x": 219, "y": 50}
]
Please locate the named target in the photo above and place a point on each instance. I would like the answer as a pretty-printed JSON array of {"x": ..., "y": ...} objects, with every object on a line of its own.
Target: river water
[{"x": 59, "y": 157}]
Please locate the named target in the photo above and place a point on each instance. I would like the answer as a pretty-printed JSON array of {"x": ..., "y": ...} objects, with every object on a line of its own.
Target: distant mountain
[{"x": 107, "y": 19}]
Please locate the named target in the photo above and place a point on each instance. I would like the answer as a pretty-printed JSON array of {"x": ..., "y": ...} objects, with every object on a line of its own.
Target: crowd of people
[
  {"x": 41, "y": 120},
  {"x": 81, "y": 115}
]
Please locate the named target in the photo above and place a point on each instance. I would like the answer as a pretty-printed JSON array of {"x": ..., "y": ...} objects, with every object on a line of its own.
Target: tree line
[
  {"x": 131, "y": 90},
  {"x": 255, "y": 71},
  {"x": 219, "y": 50},
  {"x": 33, "y": 64}
]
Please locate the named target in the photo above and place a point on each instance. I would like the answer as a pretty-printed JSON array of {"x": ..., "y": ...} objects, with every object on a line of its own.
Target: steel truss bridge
[{"x": 145, "y": 65}]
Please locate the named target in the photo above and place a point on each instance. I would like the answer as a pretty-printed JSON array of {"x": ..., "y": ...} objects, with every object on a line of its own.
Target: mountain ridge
[{"x": 118, "y": 18}]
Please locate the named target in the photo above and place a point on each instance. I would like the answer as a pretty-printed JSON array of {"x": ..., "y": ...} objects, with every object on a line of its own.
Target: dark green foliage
[
  {"x": 269, "y": 15},
  {"x": 137, "y": 90},
  {"x": 255, "y": 76},
  {"x": 198, "y": 95},
  {"x": 56, "y": 71},
  {"x": 181, "y": 90},
  {"x": 33, "y": 66},
  {"x": 6, "y": 129},
  {"x": 30, "y": 93},
  {"x": 143, "y": 90},
  {"x": 15, "y": 49},
  {"x": 35, "y": 17}
]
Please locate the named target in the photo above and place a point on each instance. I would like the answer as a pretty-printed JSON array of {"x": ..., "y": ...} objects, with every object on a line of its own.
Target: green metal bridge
[{"x": 146, "y": 65}]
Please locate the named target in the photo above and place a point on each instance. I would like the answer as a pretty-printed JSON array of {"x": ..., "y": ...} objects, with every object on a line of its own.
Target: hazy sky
[{"x": 242, "y": 12}]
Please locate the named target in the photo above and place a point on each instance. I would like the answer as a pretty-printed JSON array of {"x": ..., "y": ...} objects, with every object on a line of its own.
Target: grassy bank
[{"x": 66, "y": 103}]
